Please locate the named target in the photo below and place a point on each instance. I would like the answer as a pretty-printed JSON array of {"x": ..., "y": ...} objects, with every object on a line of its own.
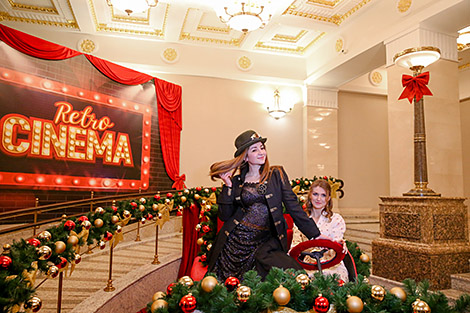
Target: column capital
[
  {"x": 322, "y": 97},
  {"x": 420, "y": 37}
]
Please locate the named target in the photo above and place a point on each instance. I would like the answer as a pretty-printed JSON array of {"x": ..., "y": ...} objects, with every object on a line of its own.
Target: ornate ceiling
[{"x": 297, "y": 29}]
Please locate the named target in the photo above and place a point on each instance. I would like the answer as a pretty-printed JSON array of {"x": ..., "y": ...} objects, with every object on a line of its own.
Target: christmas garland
[{"x": 293, "y": 291}]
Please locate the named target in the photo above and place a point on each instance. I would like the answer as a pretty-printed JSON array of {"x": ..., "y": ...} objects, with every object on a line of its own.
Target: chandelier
[
  {"x": 278, "y": 109},
  {"x": 133, "y": 6},
  {"x": 244, "y": 15},
  {"x": 464, "y": 37}
]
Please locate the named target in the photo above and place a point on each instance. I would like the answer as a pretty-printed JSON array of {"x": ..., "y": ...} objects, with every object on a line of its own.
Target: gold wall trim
[
  {"x": 464, "y": 66},
  {"x": 292, "y": 39},
  {"x": 213, "y": 29},
  {"x": 4, "y": 16},
  {"x": 335, "y": 19},
  {"x": 236, "y": 42},
  {"x": 331, "y": 3},
  {"x": 20, "y": 6},
  {"x": 134, "y": 19},
  {"x": 298, "y": 50}
]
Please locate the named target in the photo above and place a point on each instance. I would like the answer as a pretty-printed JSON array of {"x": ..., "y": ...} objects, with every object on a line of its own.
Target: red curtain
[
  {"x": 190, "y": 247},
  {"x": 168, "y": 95}
]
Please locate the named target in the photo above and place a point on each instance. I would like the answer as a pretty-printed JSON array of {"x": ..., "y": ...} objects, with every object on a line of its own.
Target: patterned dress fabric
[
  {"x": 238, "y": 255},
  {"x": 334, "y": 227}
]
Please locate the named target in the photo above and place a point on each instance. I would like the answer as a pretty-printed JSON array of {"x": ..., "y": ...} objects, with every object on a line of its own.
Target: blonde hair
[
  {"x": 237, "y": 163},
  {"x": 329, "y": 205}
]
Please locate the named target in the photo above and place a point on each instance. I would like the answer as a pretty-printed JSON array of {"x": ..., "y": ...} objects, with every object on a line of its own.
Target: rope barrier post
[
  {"x": 59, "y": 292},
  {"x": 109, "y": 287},
  {"x": 155, "y": 258},
  {"x": 36, "y": 204},
  {"x": 138, "y": 232}
]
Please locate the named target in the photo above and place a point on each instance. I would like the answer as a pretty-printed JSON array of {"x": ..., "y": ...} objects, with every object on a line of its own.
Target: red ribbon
[
  {"x": 179, "y": 182},
  {"x": 415, "y": 86}
]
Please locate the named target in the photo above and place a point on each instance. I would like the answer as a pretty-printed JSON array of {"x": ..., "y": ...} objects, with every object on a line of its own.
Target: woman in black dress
[{"x": 254, "y": 234}]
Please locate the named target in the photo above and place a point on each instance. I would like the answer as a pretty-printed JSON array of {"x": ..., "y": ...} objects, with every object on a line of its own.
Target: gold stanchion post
[
  {"x": 155, "y": 258},
  {"x": 109, "y": 287},
  {"x": 36, "y": 204},
  {"x": 91, "y": 202},
  {"x": 59, "y": 292}
]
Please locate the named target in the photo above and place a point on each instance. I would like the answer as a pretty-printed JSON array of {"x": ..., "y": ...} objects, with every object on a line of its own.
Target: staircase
[
  {"x": 131, "y": 260},
  {"x": 362, "y": 229}
]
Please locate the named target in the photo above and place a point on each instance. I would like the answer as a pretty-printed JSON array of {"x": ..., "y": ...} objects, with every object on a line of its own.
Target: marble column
[
  {"x": 424, "y": 237},
  {"x": 320, "y": 132}
]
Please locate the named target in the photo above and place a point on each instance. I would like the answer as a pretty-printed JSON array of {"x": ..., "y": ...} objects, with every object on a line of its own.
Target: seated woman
[
  {"x": 254, "y": 233},
  {"x": 319, "y": 209}
]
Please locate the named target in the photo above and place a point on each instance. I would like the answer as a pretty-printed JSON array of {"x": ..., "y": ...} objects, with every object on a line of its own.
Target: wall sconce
[
  {"x": 277, "y": 109},
  {"x": 415, "y": 88}
]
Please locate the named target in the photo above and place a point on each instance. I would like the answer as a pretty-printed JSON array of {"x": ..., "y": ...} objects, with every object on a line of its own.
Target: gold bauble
[
  {"x": 399, "y": 293},
  {"x": 196, "y": 196},
  {"x": 73, "y": 240},
  {"x": 377, "y": 292},
  {"x": 354, "y": 304},
  {"x": 183, "y": 199},
  {"x": 366, "y": 280},
  {"x": 281, "y": 295},
  {"x": 142, "y": 208},
  {"x": 53, "y": 271},
  {"x": 34, "y": 304},
  {"x": 86, "y": 224},
  {"x": 114, "y": 219},
  {"x": 155, "y": 207},
  {"x": 126, "y": 214},
  {"x": 208, "y": 283},
  {"x": 142, "y": 200},
  {"x": 158, "y": 295},
  {"x": 44, "y": 252},
  {"x": 60, "y": 247},
  {"x": 159, "y": 304},
  {"x": 186, "y": 191},
  {"x": 99, "y": 210},
  {"x": 303, "y": 280},
  {"x": 209, "y": 247},
  {"x": 364, "y": 258},
  {"x": 98, "y": 222},
  {"x": 243, "y": 293},
  {"x": 187, "y": 281},
  {"x": 200, "y": 241},
  {"x": 6, "y": 248},
  {"x": 419, "y": 306},
  {"x": 302, "y": 199},
  {"x": 45, "y": 235}
]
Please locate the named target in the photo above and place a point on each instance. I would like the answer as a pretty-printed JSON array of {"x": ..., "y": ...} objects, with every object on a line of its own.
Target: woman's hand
[
  {"x": 226, "y": 178},
  {"x": 341, "y": 241}
]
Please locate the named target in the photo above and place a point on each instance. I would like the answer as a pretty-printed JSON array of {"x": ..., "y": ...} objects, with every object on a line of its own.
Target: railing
[{"x": 37, "y": 210}]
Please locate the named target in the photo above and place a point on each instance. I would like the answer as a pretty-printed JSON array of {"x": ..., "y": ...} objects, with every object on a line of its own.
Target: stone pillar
[
  {"x": 424, "y": 237},
  {"x": 321, "y": 132}
]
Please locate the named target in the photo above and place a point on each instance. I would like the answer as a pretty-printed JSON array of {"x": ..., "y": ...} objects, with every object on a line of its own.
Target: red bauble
[
  {"x": 5, "y": 261},
  {"x": 325, "y": 178},
  {"x": 108, "y": 236},
  {"x": 114, "y": 208},
  {"x": 340, "y": 282},
  {"x": 169, "y": 195},
  {"x": 156, "y": 197},
  {"x": 188, "y": 303},
  {"x": 82, "y": 218},
  {"x": 169, "y": 289},
  {"x": 61, "y": 262},
  {"x": 214, "y": 189},
  {"x": 231, "y": 283},
  {"x": 203, "y": 258},
  {"x": 304, "y": 206},
  {"x": 297, "y": 182},
  {"x": 34, "y": 242},
  {"x": 149, "y": 217},
  {"x": 179, "y": 213},
  {"x": 198, "y": 188},
  {"x": 69, "y": 225},
  {"x": 322, "y": 305},
  {"x": 133, "y": 205},
  {"x": 206, "y": 229}
]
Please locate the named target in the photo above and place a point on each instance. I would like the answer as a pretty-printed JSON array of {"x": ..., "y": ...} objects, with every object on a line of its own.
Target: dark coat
[{"x": 278, "y": 192}]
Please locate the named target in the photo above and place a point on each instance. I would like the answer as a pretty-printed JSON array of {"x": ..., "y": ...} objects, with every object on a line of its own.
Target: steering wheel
[{"x": 304, "y": 249}]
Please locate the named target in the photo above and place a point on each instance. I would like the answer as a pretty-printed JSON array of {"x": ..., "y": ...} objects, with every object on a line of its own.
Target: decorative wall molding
[{"x": 323, "y": 98}]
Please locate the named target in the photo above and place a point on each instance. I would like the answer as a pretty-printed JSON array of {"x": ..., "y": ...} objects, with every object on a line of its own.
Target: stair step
[
  {"x": 452, "y": 294},
  {"x": 461, "y": 282}
]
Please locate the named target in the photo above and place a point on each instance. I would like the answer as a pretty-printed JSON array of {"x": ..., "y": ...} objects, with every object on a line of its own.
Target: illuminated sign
[{"x": 59, "y": 136}]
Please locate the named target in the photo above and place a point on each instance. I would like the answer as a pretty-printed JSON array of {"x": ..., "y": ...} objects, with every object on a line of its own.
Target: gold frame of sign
[{"x": 422, "y": 238}]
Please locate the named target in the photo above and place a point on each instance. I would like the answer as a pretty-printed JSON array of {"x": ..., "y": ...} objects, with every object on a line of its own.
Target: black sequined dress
[{"x": 238, "y": 254}]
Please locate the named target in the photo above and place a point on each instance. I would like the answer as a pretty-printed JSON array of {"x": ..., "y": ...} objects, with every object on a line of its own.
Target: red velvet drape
[
  {"x": 169, "y": 100},
  {"x": 190, "y": 247}
]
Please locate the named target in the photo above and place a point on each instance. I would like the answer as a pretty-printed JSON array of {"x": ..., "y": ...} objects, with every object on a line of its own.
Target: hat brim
[{"x": 246, "y": 145}]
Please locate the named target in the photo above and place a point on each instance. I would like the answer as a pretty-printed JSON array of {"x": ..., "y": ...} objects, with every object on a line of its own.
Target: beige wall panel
[
  {"x": 215, "y": 111},
  {"x": 465, "y": 121},
  {"x": 363, "y": 149}
]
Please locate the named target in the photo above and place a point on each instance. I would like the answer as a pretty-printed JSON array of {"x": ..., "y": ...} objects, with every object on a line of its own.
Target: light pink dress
[{"x": 333, "y": 227}]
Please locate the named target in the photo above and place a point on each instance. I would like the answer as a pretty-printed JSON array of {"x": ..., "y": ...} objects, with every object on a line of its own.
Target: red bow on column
[
  {"x": 179, "y": 182},
  {"x": 415, "y": 86}
]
